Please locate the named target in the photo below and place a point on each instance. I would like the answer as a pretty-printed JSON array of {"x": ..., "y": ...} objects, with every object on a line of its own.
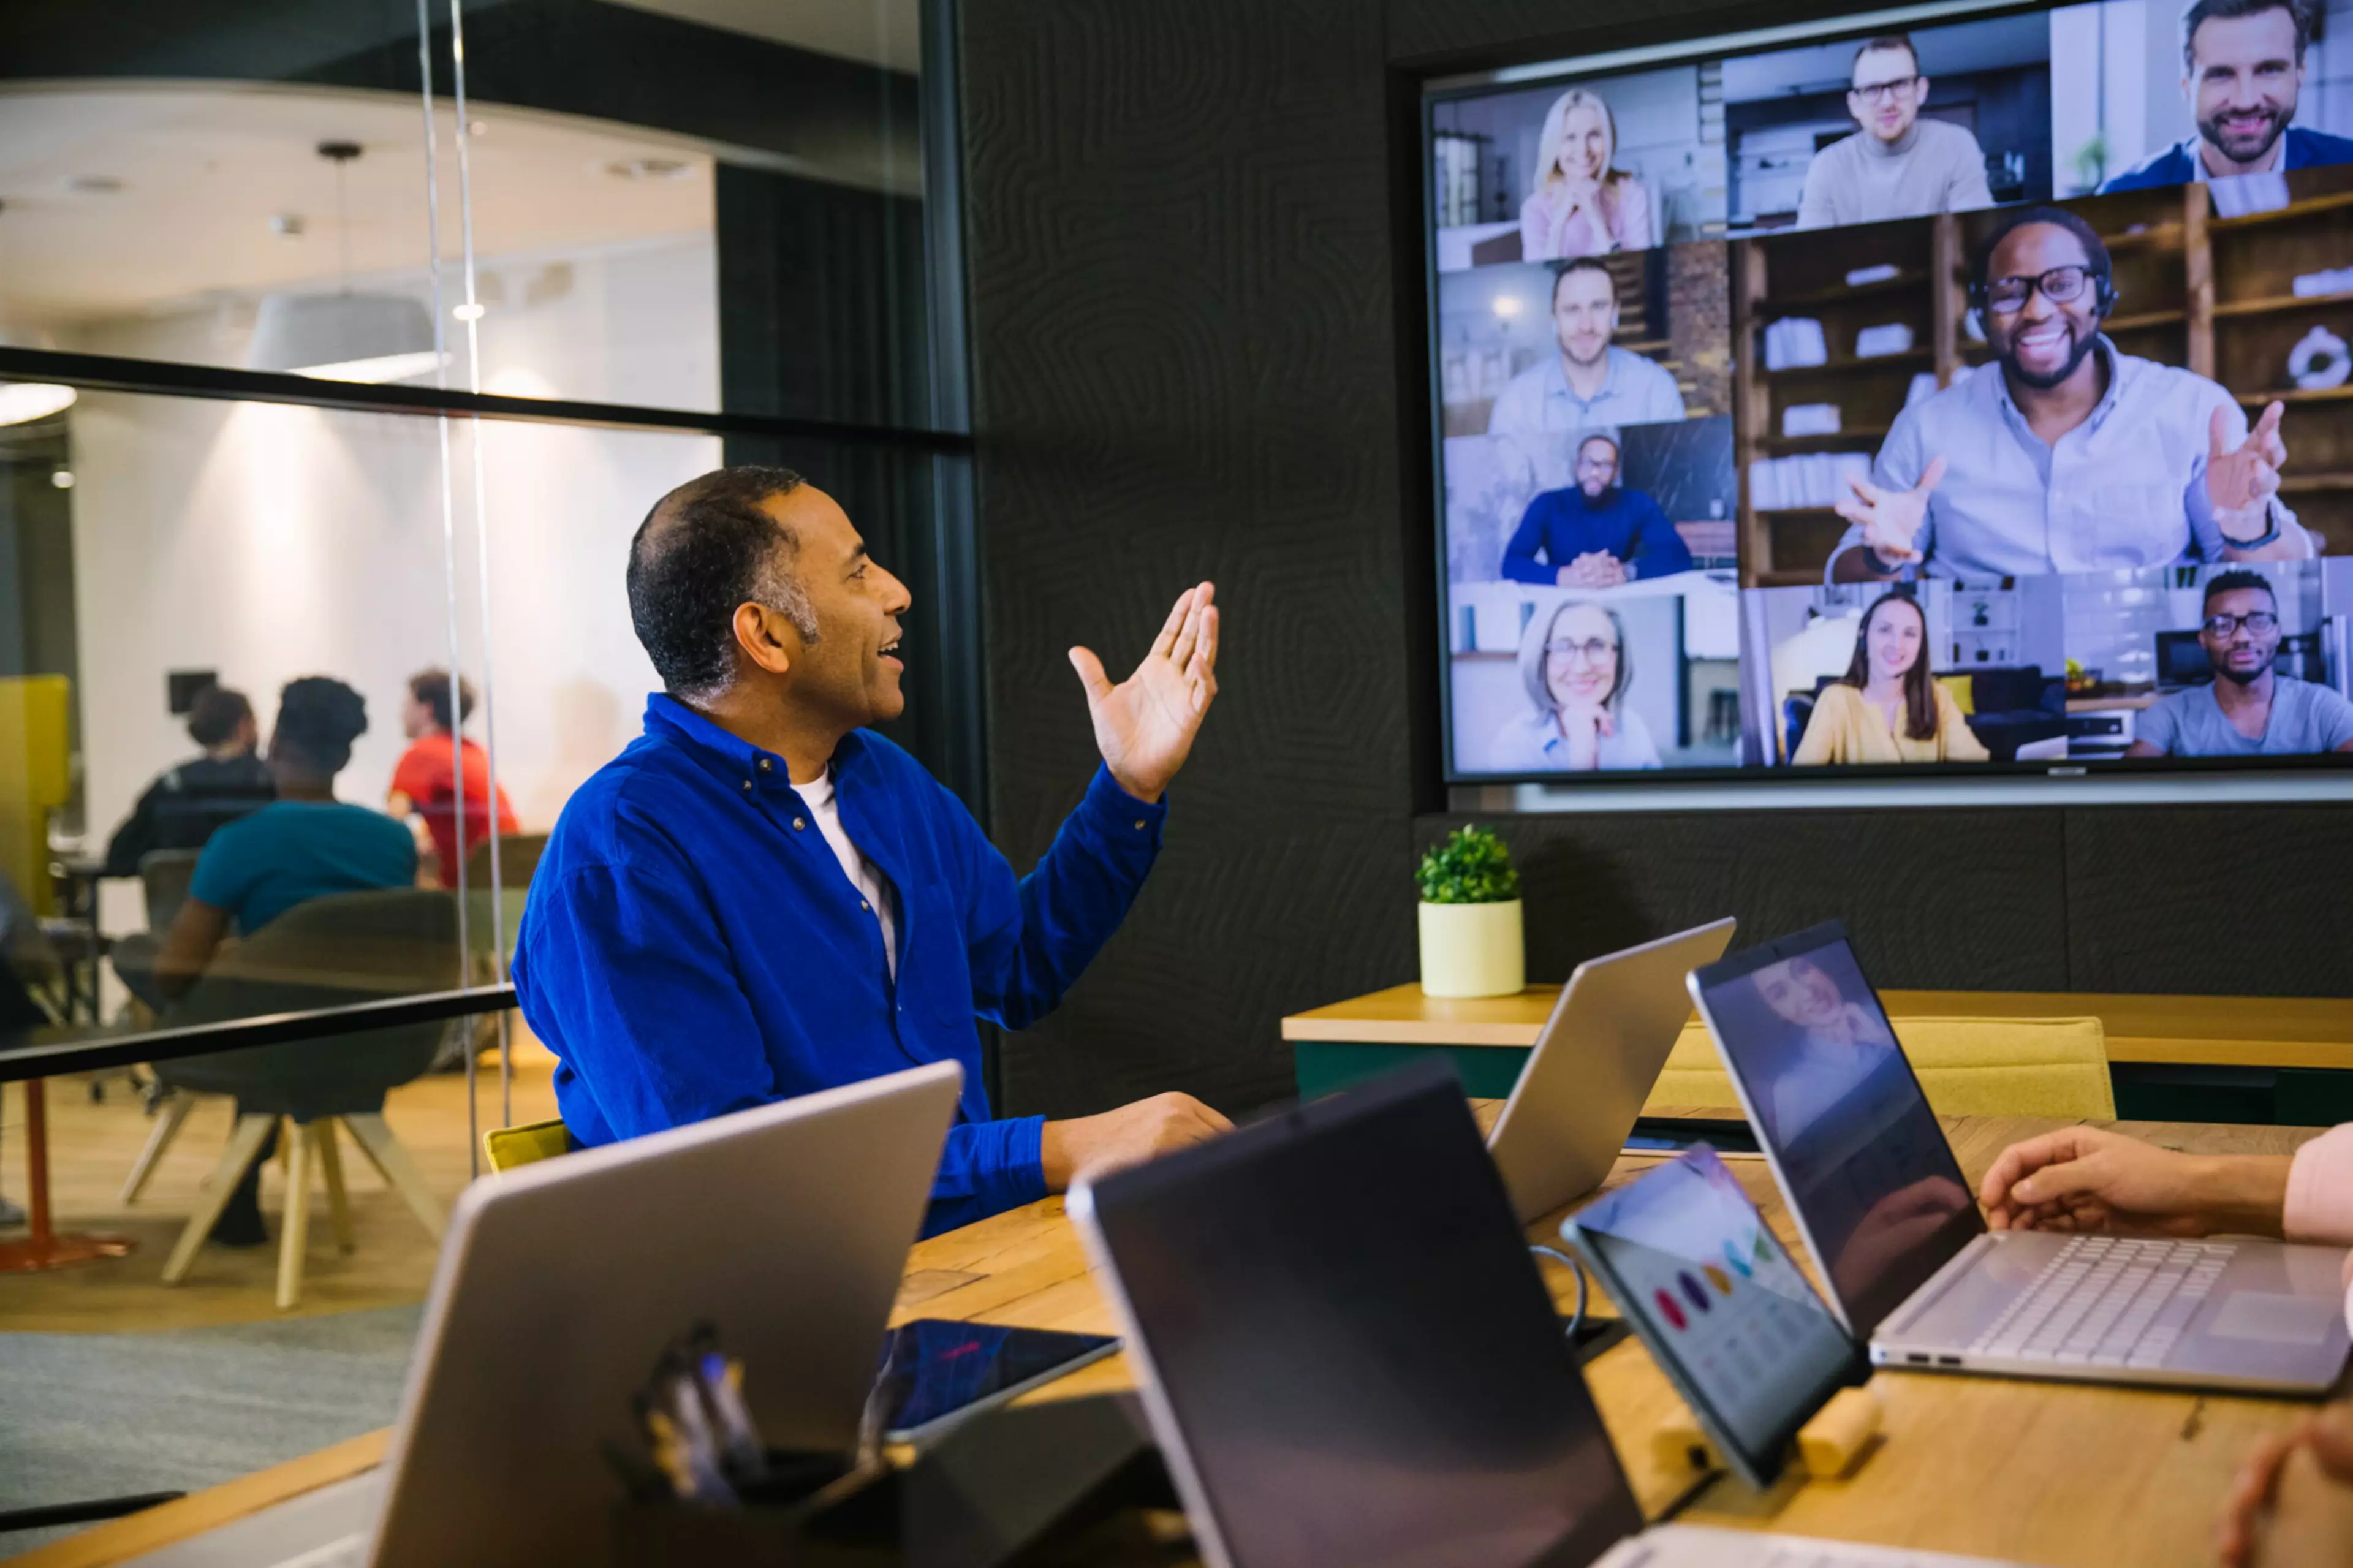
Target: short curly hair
[
  {"x": 318, "y": 717},
  {"x": 705, "y": 549}
]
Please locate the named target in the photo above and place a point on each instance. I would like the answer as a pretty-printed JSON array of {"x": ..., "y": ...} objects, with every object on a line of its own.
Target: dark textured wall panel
[
  {"x": 1964, "y": 899},
  {"x": 1195, "y": 348},
  {"x": 1182, "y": 347},
  {"x": 2224, "y": 900}
]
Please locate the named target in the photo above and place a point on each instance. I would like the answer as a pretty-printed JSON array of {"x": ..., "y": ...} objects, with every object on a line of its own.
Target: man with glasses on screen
[
  {"x": 1896, "y": 164},
  {"x": 2064, "y": 454},
  {"x": 2250, "y": 709},
  {"x": 2242, "y": 70},
  {"x": 1596, "y": 534},
  {"x": 1592, "y": 381}
]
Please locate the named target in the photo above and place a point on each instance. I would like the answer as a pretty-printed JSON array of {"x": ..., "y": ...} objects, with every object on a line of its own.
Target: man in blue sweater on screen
[
  {"x": 1595, "y": 535},
  {"x": 761, "y": 898}
]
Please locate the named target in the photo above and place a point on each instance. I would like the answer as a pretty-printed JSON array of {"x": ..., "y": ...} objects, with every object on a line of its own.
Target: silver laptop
[
  {"x": 1593, "y": 1067},
  {"x": 1347, "y": 1355},
  {"x": 786, "y": 1226},
  {"x": 1895, "y": 1229}
]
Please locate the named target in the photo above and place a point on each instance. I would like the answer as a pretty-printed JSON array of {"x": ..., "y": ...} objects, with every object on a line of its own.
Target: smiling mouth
[{"x": 890, "y": 648}]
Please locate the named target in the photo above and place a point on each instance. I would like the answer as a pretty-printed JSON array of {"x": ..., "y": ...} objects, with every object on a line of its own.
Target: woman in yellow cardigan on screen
[{"x": 1886, "y": 708}]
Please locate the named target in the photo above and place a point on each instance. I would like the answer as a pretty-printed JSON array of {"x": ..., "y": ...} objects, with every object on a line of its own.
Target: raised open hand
[
  {"x": 2242, "y": 480},
  {"x": 1891, "y": 519},
  {"x": 1145, "y": 726}
]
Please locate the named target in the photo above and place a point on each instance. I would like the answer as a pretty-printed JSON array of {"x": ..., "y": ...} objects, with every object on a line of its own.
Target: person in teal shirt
[{"x": 305, "y": 845}]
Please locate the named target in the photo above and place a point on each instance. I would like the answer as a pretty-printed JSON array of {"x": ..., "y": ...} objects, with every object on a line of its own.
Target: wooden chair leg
[
  {"x": 391, "y": 1161},
  {"x": 168, "y": 1121},
  {"x": 294, "y": 1229},
  {"x": 244, "y": 1147},
  {"x": 331, "y": 1165}
]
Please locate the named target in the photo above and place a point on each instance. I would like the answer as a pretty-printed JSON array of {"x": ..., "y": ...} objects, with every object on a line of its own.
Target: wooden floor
[{"x": 91, "y": 1147}]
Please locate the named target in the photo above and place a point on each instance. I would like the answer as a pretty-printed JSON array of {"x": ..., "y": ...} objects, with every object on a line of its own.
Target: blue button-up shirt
[
  {"x": 2124, "y": 490},
  {"x": 691, "y": 946}
]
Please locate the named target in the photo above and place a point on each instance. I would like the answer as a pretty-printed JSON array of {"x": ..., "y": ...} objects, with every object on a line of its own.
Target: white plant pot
[{"x": 1472, "y": 949}]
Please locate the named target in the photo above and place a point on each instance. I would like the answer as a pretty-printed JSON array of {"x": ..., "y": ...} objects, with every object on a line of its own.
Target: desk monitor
[{"x": 1346, "y": 1350}]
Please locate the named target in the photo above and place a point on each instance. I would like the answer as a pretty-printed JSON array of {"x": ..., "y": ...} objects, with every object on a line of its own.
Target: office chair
[
  {"x": 1967, "y": 1067},
  {"x": 506, "y": 1148},
  {"x": 331, "y": 951}
]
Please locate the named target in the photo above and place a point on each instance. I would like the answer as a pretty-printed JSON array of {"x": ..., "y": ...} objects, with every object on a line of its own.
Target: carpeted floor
[{"x": 89, "y": 1415}]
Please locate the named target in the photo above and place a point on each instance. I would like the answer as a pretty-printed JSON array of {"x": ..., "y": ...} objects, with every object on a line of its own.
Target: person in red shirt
[{"x": 424, "y": 786}]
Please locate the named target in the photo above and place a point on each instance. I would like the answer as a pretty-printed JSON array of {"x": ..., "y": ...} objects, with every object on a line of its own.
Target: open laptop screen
[
  {"x": 1858, "y": 1152},
  {"x": 1340, "y": 1313}
]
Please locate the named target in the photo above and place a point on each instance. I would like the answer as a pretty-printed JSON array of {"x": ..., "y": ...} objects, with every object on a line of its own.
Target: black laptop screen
[
  {"x": 1341, "y": 1311},
  {"x": 1861, "y": 1155}
]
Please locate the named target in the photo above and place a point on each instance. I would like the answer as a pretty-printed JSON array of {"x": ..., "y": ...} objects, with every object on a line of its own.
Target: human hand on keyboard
[
  {"x": 2089, "y": 1178},
  {"x": 2293, "y": 1500}
]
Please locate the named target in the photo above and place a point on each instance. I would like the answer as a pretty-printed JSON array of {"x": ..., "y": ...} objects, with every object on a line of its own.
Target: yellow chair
[
  {"x": 507, "y": 1147},
  {"x": 35, "y": 778},
  {"x": 1967, "y": 1067}
]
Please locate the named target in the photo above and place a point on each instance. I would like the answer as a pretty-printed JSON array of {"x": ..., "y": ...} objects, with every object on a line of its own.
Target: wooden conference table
[{"x": 2045, "y": 1473}]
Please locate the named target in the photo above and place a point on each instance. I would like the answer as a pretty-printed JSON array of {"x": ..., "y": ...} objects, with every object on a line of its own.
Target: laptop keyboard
[{"x": 2107, "y": 1301}]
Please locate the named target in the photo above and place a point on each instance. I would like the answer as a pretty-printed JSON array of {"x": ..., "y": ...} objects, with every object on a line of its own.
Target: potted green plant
[{"x": 1471, "y": 930}]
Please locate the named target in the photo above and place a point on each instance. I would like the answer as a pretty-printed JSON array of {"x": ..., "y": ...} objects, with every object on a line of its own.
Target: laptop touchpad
[{"x": 2271, "y": 1319}]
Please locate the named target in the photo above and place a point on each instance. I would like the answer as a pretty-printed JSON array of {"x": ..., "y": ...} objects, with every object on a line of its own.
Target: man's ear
[{"x": 767, "y": 637}]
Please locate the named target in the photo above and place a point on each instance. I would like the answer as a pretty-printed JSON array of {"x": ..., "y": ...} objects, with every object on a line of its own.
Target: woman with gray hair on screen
[{"x": 1575, "y": 669}]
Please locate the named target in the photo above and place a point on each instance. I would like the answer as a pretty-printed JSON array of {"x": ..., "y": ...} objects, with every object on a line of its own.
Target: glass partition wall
[{"x": 342, "y": 352}]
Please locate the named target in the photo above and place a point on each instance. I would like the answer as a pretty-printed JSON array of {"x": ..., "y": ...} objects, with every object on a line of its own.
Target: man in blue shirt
[
  {"x": 761, "y": 898},
  {"x": 2242, "y": 70},
  {"x": 1596, "y": 535}
]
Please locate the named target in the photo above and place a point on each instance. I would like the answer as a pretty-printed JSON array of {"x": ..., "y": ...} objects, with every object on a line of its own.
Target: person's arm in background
[
  {"x": 1820, "y": 744},
  {"x": 1633, "y": 215},
  {"x": 1968, "y": 190},
  {"x": 2157, "y": 730},
  {"x": 1026, "y": 943},
  {"x": 2233, "y": 487},
  {"x": 1535, "y": 228},
  {"x": 1520, "y": 562},
  {"x": 136, "y": 836},
  {"x": 1892, "y": 507},
  {"x": 1659, "y": 550},
  {"x": 1961, "y": 742},
  {"x": 1814, "y": 206},
  {"x": 197, "y": 933}
]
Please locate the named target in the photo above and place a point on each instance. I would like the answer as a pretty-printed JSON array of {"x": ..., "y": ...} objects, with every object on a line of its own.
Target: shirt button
[
  {"x": 763, "y": 765},
  {"x": 864, "y": 905},
  {"x": 800, "y": 823},
  {"x": 747, "y": 784},
  {"x": 1139, "y": 824}
]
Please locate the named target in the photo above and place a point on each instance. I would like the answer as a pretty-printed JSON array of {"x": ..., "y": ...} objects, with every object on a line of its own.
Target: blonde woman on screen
[
  {"x": 1580, "y": 205},
  {"x": 1886, "y": 708},
  {"x": 1575, "y": 669}
]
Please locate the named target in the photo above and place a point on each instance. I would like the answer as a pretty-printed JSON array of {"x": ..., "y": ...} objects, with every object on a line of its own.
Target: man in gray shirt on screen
[
  {"x": 1897, "y": 164},
  {"x": 1592, "y": 381},
  {"x": 2250, "y": 709}
]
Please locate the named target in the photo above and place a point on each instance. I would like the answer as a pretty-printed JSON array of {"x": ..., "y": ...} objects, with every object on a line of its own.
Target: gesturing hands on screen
[
  {"x": 1891, "y": 520},
  {"x": 1594, "y": 569},
  {"x": 1145, "y": 726},
  {"x": 2242, "y": 480}
]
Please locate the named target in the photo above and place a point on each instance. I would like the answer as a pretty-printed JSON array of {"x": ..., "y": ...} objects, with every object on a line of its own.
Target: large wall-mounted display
[{"x": 1975, "y": 399}]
